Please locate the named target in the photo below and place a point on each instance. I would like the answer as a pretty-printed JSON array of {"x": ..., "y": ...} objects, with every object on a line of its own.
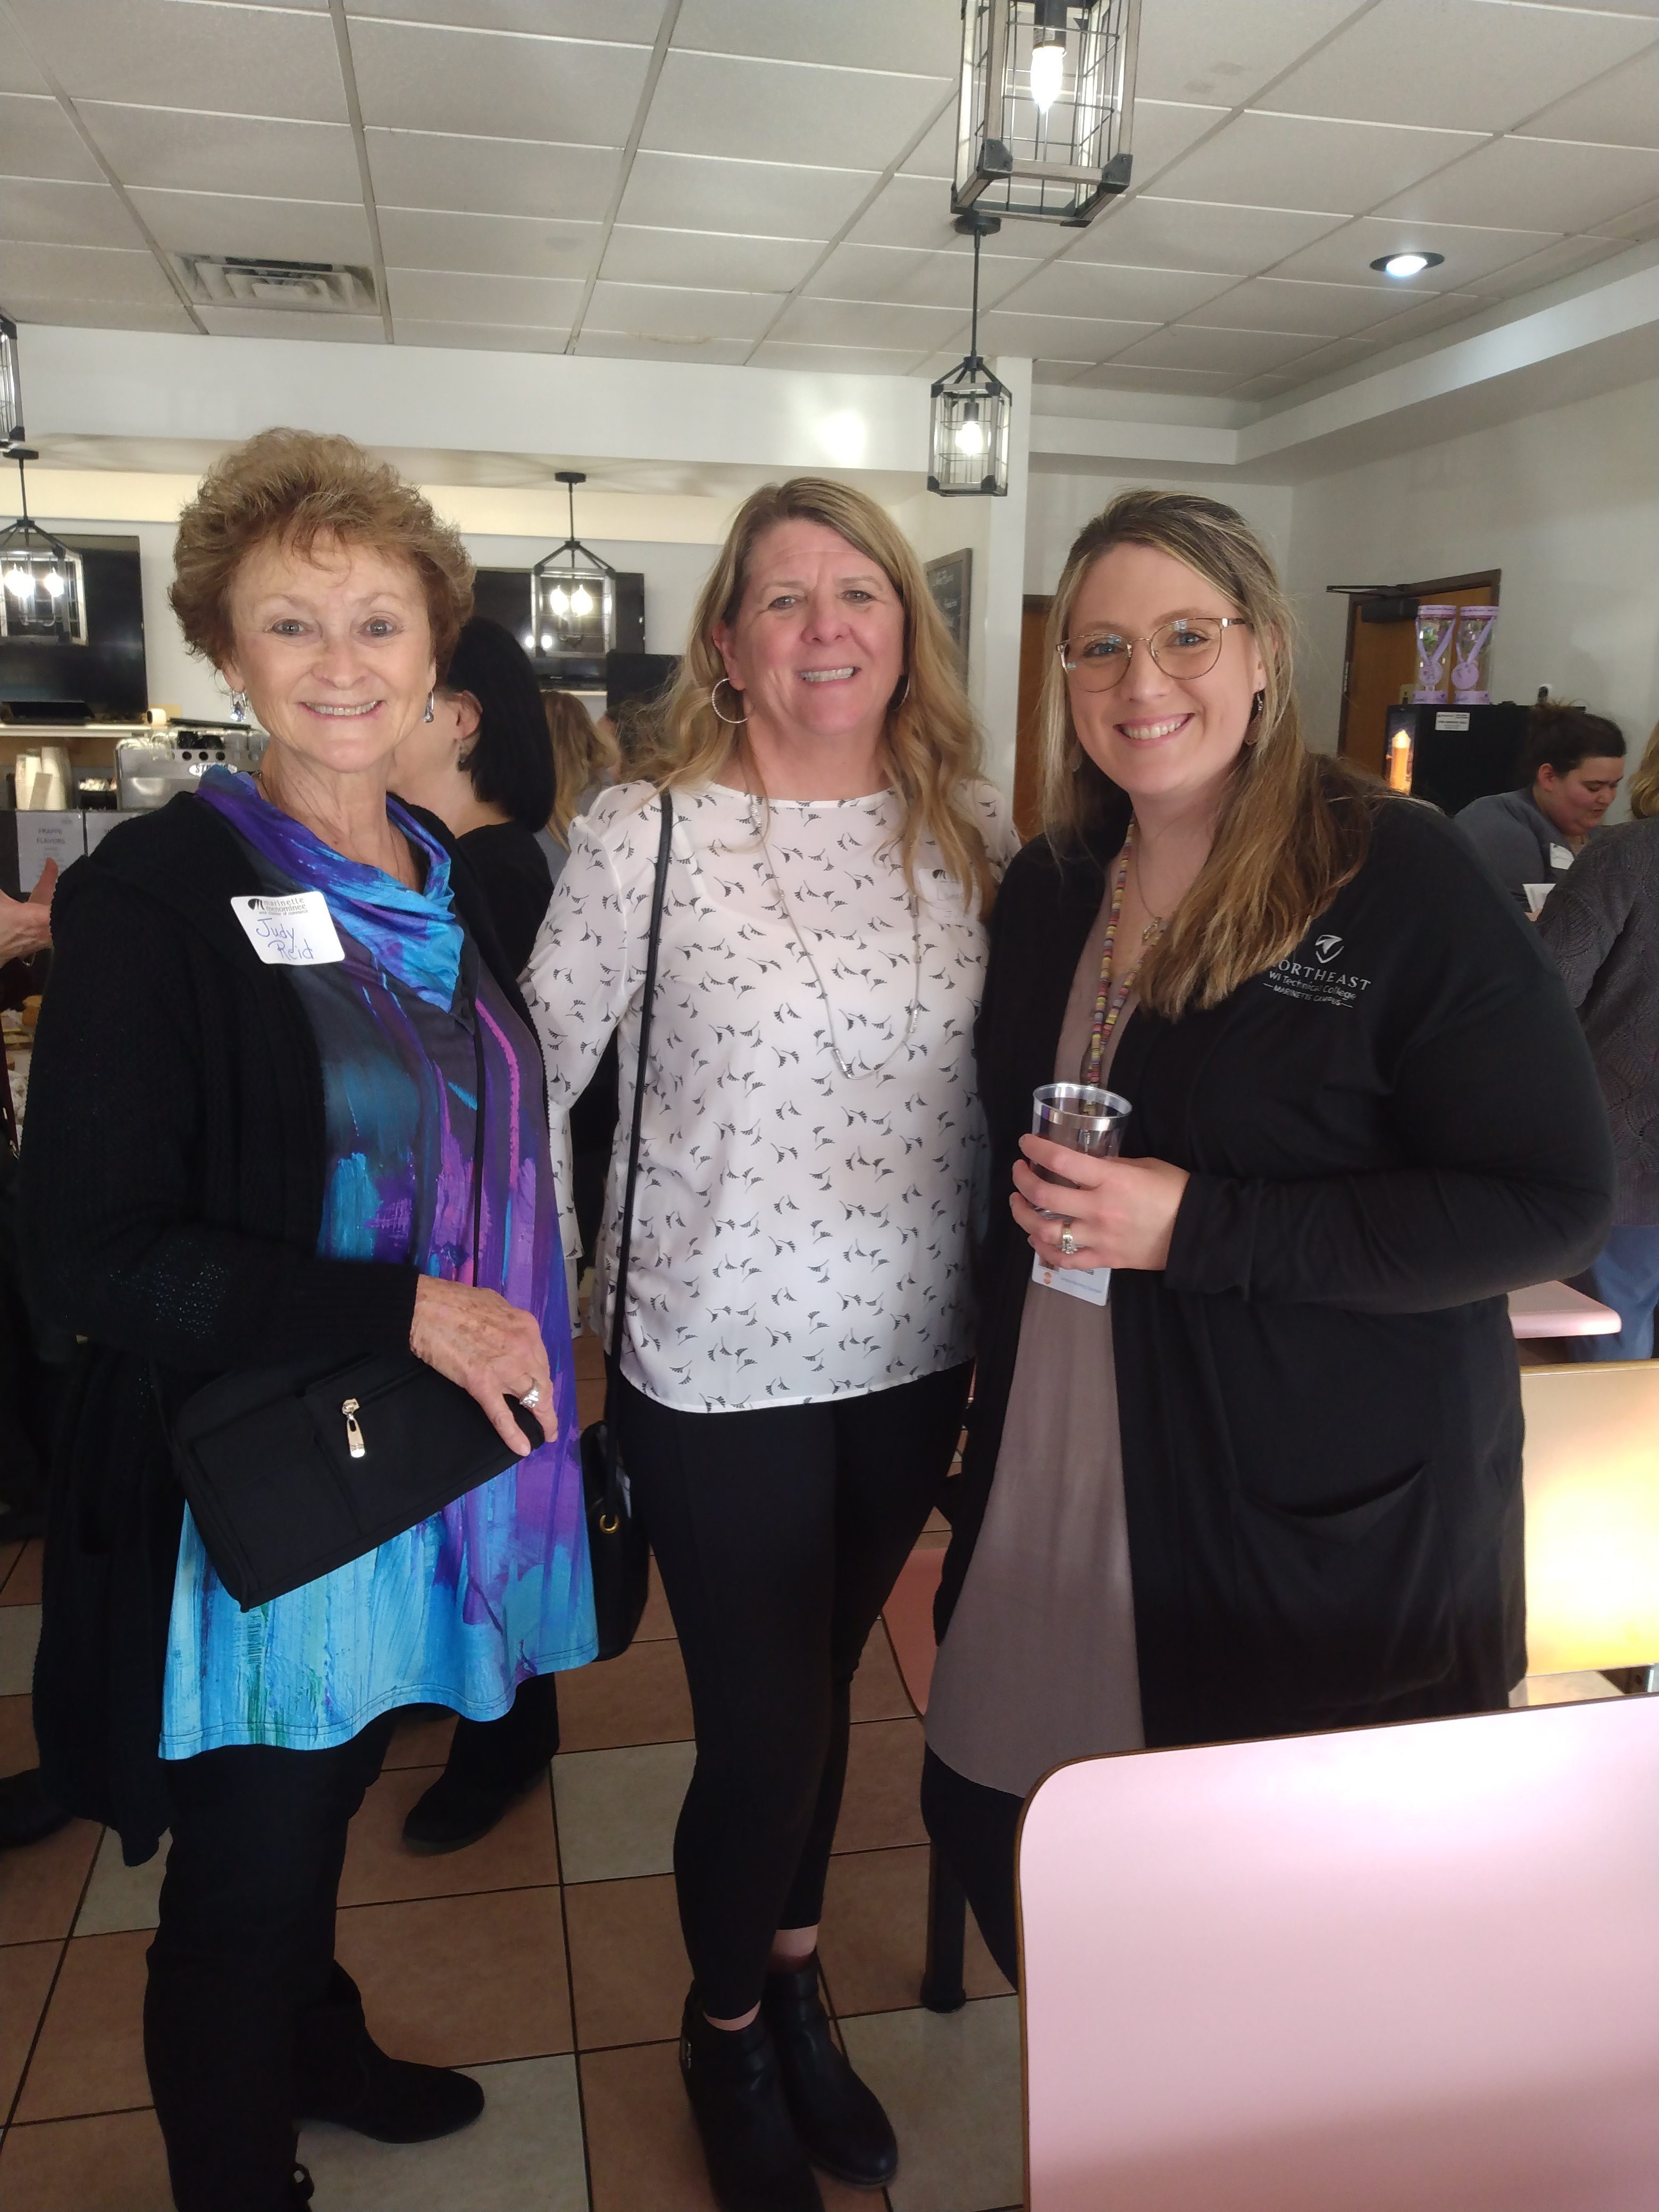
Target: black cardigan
[
  {"x": 170, "y": 1194},
  {"x": 511, "y": 872},
  {"x": 1319, "y": 1395}
]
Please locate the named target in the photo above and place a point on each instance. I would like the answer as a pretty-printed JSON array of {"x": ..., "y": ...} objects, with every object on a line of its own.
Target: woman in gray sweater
[{"x": 1602, "y": 926}]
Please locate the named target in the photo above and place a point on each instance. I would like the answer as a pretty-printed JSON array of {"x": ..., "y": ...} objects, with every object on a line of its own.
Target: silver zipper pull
[{"x": 355, "y": 1442}]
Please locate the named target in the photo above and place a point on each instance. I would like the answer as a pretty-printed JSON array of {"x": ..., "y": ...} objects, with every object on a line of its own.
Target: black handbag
[
  {"x": 294, "y": 1470},
  {"x": 616, "y": 1533}
]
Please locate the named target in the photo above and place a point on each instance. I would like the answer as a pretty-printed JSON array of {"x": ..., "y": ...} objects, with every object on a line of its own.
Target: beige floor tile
[
  {"x": 120, "y": 1896},
  {"x": 642, "y": 2147},
  {"x": 26, "y": 1972},
  {"x": 882, "y": 1806},
  {"x": 19, "y": 1631},
  {"x": 874, "y": 1939},
  {"x": 520, "y": 1852},
  {"x": 951, "y": 2084},
  {"x": 524, "y": 2155},
  {"x": 421, "y": 1738},
  {"x": 114, "y": 2163},
  {"x": 17, "y": 1746},
  {"x": 90, "y": 2057},
  {"x": 22, "y": 1585},
  {"x": 628, "y": 1963},
  {"x": 618, "y": 1809},
  {"x": 879, "y": 1690},
  {"x": 462, "y": 1981},
  {"x": 41, "y": 1885},
  {"x": 640, "y": 1696}
]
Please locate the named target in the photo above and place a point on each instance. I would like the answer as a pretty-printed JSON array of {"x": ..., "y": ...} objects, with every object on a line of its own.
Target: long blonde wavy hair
[
  {"x": 1644, "y": 784},
  {"x": 932, "y": 742},
  {"x": 1293, "y": 826}
]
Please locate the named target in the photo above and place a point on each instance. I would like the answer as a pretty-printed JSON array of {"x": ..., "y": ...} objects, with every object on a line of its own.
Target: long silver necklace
[{"x": 853, "y": 1074}]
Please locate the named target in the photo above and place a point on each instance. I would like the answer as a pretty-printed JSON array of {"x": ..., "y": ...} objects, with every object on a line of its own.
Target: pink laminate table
[{"x": 1553, "y": 1310}]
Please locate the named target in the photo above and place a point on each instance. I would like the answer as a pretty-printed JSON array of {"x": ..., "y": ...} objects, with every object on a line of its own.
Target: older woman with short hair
[{"x": 231, "y": 1164}]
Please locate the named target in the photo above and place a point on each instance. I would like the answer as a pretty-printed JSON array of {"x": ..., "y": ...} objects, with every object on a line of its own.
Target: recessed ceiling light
[{"x": 1407, "y": 264}]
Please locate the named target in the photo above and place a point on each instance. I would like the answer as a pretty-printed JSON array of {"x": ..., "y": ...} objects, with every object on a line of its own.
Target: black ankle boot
[
  {"x": 839, "y": 2120},
  {"x": 756, "y": 2161},
  {"x": 341, "y": 2074},
  {"x": 456, "y": 1811}
]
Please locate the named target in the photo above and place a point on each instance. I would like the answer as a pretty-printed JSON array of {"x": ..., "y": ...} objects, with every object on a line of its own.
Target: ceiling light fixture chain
[{"x": 970, "y": 408}]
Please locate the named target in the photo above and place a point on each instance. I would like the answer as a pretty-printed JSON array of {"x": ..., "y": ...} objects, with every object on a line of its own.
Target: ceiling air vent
[{"x": 240, "y": 280}]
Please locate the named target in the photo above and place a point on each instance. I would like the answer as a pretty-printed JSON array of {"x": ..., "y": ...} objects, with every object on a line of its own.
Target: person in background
[
  {"x": 1602, "y": 926},
  {"x": 584, "y": 764},
  {"x": 1267, "y": 1477},
  {"x": 634, "y": 682},
  {"x": 798, "y": 1325},
  {"x": 1570, "y": 762},
  {"x": 483, "y": 766}
]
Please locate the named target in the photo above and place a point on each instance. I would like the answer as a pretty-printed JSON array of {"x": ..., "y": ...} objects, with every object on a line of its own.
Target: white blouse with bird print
[{"x": 800, "y": 1233}]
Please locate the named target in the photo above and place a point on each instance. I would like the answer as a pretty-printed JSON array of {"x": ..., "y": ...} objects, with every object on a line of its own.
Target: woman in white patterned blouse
[{"x": 797, "y": 1336}]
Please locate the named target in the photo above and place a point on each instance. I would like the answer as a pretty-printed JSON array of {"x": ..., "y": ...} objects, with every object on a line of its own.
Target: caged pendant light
[
  {"x": 1048, "y": 94},
  {"x": 968, "y": 426},
  {"x": 572, "y": 596},
  {"x": 43, "y": 592}
]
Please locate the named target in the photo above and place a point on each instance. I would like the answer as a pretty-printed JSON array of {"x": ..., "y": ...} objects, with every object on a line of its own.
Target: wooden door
[
  {"x": 1380, "y": 661},
  {"x": 1027, "y": 768}
]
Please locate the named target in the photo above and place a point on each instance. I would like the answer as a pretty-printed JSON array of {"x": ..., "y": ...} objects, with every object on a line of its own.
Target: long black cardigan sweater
[
  {"x": 170, "y": 1194},
  {"x": 1319, "y": 1395}
]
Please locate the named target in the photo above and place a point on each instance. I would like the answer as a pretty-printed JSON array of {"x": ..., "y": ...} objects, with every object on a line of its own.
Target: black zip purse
[
  {"x": 617, "y": 1541},
  {"x": 293, "y": 1471}
]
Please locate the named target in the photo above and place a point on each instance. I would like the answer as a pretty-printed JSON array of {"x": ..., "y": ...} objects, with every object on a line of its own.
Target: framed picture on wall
[{"x": 950, "y": 579}]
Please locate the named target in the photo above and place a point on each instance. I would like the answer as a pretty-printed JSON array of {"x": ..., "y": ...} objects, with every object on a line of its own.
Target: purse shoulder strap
[{"x": 619, "y": 1307}]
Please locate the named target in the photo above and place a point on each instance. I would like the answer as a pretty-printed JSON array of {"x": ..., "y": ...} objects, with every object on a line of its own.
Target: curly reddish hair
[{"x": 296, "y": 486}]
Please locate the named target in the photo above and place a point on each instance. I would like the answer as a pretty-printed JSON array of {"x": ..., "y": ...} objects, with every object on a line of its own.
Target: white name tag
[
  {"x": 1561, "y": 856},
  {"x": 296, "y": 931},
  {"x": 1088, "y": 1284}
]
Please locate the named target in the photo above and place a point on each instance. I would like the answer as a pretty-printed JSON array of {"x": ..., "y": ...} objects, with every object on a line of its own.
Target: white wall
[
  {"x": 1059, "y": 504},
  {"x": 1565, "y": 502}
]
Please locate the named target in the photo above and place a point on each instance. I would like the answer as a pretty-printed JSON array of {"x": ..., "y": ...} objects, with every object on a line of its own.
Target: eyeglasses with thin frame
[{"x": 1187, "y": 644}]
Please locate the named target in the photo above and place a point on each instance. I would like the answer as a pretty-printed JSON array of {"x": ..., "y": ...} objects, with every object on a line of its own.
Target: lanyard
[{"x": 1111, "y": 996}]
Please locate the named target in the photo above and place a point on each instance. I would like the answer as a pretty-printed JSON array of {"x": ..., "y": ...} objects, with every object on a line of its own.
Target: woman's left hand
[{"x": 1121, "y": 1214}]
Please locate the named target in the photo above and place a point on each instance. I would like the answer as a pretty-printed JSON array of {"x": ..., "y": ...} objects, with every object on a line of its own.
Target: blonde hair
[
  {"x": 1293, "y": 826},
  {"x": 296, "y": 486},
  {"x": 932, "y": 743},
  {"x": 1644, "y": 786},
  {"x": 582, "y": 754}
]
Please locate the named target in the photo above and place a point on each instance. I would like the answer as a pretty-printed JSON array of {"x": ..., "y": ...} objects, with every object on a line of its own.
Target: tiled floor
[{"x": 547, "y": 1959}]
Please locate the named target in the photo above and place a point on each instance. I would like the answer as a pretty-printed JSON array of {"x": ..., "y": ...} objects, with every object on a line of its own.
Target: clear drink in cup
[{"x": 1082, "y": 1115}]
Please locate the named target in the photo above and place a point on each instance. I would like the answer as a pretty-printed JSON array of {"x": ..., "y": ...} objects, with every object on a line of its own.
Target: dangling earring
[
  {"x": 1256, "y": 704},
  {"x": 239, "y": 706},
  {"x": 431, "y": 698},
  {"x": 732, "y": 721}
]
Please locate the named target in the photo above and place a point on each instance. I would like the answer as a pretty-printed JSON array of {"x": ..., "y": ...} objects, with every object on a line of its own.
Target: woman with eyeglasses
[{"x": 1264, "y": 1476}]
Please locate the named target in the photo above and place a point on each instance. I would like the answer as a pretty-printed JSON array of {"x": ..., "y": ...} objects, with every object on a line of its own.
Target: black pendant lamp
[
  {"x": 572, "y": 593},
  {"x": 968, "y": 426},
  {"x": 1047, "y": 97}
]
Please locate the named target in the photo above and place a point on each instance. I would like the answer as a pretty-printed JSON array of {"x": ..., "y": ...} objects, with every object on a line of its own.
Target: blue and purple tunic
[{"x": 461, "y": 1609}]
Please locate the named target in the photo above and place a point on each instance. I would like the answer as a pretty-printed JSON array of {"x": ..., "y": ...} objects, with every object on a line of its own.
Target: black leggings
[
  {"x": 973, "y": 1828},
  {"x": 779, "y": 1533}
]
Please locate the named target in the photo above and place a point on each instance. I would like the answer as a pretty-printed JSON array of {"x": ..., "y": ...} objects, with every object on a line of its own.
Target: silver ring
[
  {"x": 1068, "y": 1243},
  {"x": 532, "y": 1397}
]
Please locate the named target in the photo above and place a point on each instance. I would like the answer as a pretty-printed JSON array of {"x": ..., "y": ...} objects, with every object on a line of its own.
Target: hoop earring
[
  {"x": 239, "y": 706},
  {"x": 732, "y": 721}
]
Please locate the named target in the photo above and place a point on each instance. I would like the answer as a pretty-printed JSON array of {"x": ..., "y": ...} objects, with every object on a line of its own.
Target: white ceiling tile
[
  {"x": 936, "y": 156},
  {"x": 1489, "y": 66},
  {"x": 1615, "y": 7},
  {"x": 1058, "y": 337},
  {"x": 1637, "y": 222},
  {"x": 922, "y": 279},
  {"x": 1284, "y": 161},
  {"x": 1116, "y": 376},
  {"x": 1285, "y": 303},
  {"x": 637, "y": 20},
  {"x": 638, "y": 256},
  {"x": 57, "y": 214},
  {"x": 1162, "y": 133},
  {"x": 1070, "y": 287},
  {"x": 97, "y": 314},
  {"x": 282, "y": 323},
  {"x": 491, "y": 176},
  {"x": 856, "y": 322},
  {"x": 835, "y": 360},
  {"x": 1422, "y": 316},
  {"x": 1328, "y": 360},
  {"x": 184, "y": 53},
  {"x": 915, "y": 211},
  {"x": 758, "y": 199},
  {"x": 449, "y": 296},
  {"x": 626, "y": 345},
  {"x": 189, "y": 153},
  {"x": 1240, "y": 353},
  {"x": 39, "y": 140},
  {"x": 786, "y": 111},
  {"x": 495, "y": 84},
  {"x": 1620, "y": 109},
  {"x": 1153, "y": 232},
  {"x": 1345, "y": 256},
  {"x": 665, "y": 311},
  {"x": 83, "y": 272},
  {"x": 488, "y": 244},
  {"x": 1216, "y": 50},
  {"x": 232, "y": 222},
  {"x": 858, "y": 34},
  {"x": 1047, "y": 373},
  {"x": 1263, "y": 387},
  {"x": 1534, "y": 184},
  {"x": 478, "y": 337},
  {"x": 17, "y": 72},
  {"x": 1563, "y": 259}
]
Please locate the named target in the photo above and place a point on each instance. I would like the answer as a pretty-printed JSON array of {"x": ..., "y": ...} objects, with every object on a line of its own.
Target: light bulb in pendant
[
  {"x": 581, "y": 601},
  {"x": 559, "y": 599},
  {"x": 54, "y": 583},
  {"x": 1048, "y": 73},
  {"x": 970, "y": 434}
]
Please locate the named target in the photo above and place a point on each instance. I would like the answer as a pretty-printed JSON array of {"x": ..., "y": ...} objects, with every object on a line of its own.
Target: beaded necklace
[{"x": 1112, "y": 996}]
